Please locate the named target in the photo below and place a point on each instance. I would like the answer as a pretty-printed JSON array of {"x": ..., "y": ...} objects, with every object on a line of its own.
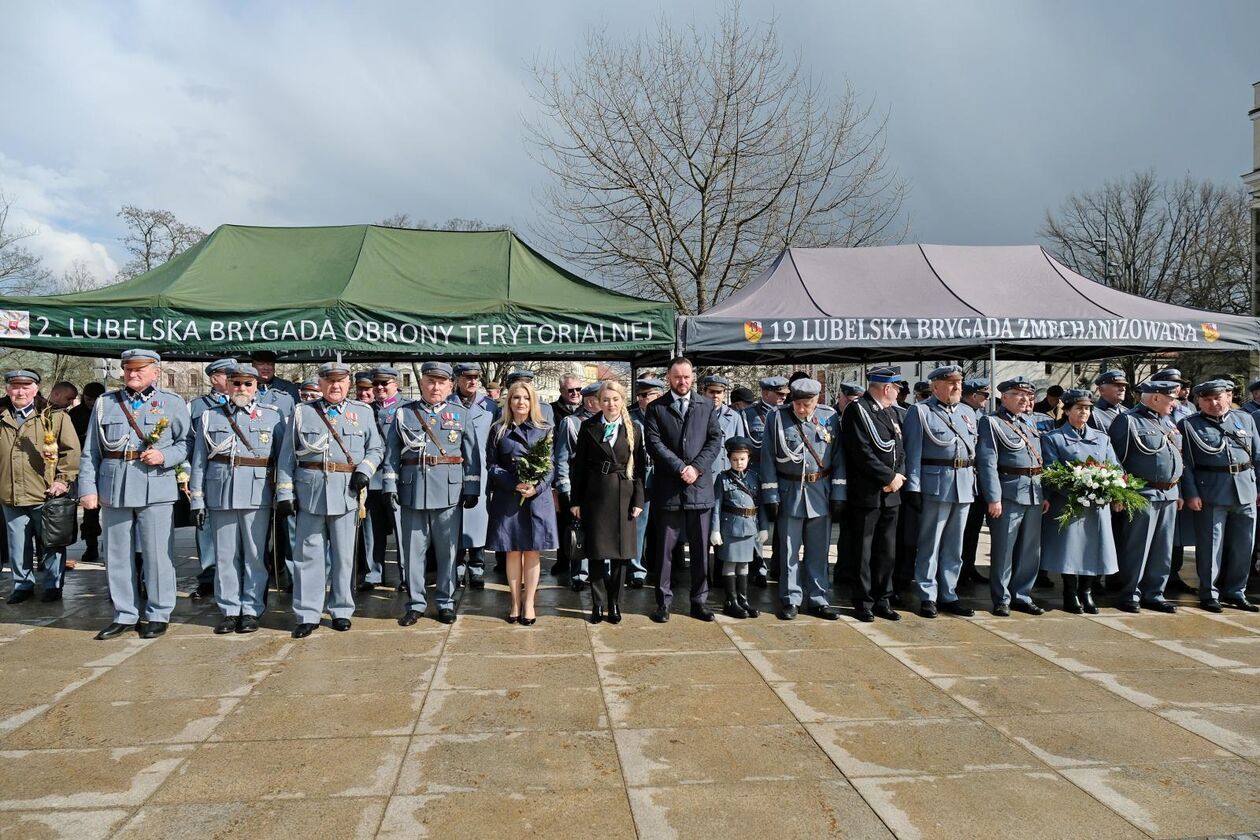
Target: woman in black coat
[{"x": 607, "y": 484}]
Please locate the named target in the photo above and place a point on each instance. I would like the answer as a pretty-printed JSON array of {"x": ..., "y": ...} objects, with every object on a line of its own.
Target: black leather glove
[
  {"x": 915, "y": 500},
  {"x": 285, "y": 508},
  {"x": 468, "y": 502},
  {"x": 772, "y": 511},
  {"x": 358, "y": 481},
  {"x": 392, "y": 500},
  {"x": 837, "y": 510},
  {"x": 199, "y": 517}
]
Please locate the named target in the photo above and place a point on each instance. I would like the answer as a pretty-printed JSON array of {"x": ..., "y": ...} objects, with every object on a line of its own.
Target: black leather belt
[
  {"x": 1029, "y": 471},
  {"x": 739, "y": 511},
  {"x": 1232, "y": 469},
  {"x": 956, "y": 463}
]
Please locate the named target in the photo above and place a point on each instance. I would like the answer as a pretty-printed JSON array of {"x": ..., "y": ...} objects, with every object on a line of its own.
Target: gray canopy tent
[{"x": 824, "y": 305}]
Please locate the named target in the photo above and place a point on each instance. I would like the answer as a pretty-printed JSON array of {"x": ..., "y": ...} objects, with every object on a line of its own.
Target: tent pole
[{"x": 992, "y": 375}]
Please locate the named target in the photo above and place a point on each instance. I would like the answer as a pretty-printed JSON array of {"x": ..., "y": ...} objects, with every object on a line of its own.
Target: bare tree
[
  {"x": 21, "y": 271},
  {"x": 153, "y": 237},
  {"x": 1183, "y": 242},
  {"x": 404, "y": 220},
  {"x": 684, "y": 160}
]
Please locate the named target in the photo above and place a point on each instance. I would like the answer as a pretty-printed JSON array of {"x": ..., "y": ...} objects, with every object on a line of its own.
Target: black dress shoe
[
  {"x": 366, "y": 586},
  {"x": 341, "y": 625},
  {"x": 509, "y": 618},
  {"x": 114, "y": 630},
  {"x": 1001, "y": 610},
  {"x": 701, "y": 613},
  {"x": 886, "y": 612},
  {"x": 247, "y": 624},
  {"x": 410, "y": 617},
  {"x": 20, "y": 595},
  {"x": 447, "y": 616},
  {"x": 525, "y": 622},
  {"x": 597, "y": 615},
  {"x": 1212, "y": 605},
  {"x": 1241, "y": 604},
  {"x": 957, "y": 608},
  {"x": 303, "y": 630},
  {"x": 787, "y": 613},
  {"x": 927, "y": 609},
  {"x": 636, "y": 583},
  {"x": 1176, "y": 584},
  {"x": 1158, "y": 606},
  {"x": 154, "y": 629},
  {"x": 825, "y": 613},
  {"x": 205, "y": 588},
  {"x": 51, "y": 595},
  {"x": 660, "y": 616},
  {"x": 864, "y": 615},
  {"x": 226, "y": 625},
  {"x": 614, "y": 614},
  {"x": 1026, "y": 607}
]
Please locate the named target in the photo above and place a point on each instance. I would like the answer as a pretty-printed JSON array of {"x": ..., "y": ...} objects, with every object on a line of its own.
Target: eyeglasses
[
  {"x": 245, "y": 383},
  {"x": 381, "y": 384},
  {"x": 577, "y": 390}
]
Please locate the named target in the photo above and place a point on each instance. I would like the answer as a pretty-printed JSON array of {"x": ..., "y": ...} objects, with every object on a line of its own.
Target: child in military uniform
[{"x": 737, "y": 519}]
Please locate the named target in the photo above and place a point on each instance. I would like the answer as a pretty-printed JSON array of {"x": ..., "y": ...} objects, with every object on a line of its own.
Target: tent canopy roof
[
  {"x": 422, "y": 278},
  {"x": 945, "y": 301}
]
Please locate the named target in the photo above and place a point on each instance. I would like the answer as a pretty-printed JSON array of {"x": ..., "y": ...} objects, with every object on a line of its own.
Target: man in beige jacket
[{"x": 39, "y": 458}]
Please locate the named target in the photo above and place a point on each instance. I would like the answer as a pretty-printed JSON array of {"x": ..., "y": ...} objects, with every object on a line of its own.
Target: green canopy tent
[{"x": 364, "y": 291}]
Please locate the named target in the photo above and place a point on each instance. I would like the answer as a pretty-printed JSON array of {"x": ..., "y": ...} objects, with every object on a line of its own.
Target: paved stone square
[{"x": 1057, "y": 726}]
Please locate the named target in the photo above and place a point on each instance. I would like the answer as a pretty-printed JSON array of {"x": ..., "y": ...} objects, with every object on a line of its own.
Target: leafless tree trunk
[
  {"x": 684, "y": 161},
  {"x": 154, "y": 237}
]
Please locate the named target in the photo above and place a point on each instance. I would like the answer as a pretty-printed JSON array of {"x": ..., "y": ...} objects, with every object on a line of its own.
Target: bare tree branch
[{"x": 154, "y": 237}]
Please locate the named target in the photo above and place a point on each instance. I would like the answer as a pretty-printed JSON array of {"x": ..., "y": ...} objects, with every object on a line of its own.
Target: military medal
[
  {"x": 453, "y": 437},
  {"x": 264, "y": 437}
]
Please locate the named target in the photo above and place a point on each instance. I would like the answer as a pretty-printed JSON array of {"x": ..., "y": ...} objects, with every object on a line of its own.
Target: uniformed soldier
[
  {"x": 940, "y": 456},
  {"x": 235, "y": 449},
  {"x": 799, "y": 455},
  {"x": 1221, "y": 450},
  {"x": 31, "y": 472},
  {"x": 875, "y": 461},
  {"x": 566, "y": 437},
  {"x": 1184, "y": 406},
  {"x": 1252, "y": 406},
  {"x": 363, "y": 386},
  {"x": 434, "y": 470},
  {"x": 309, "y": 391},
  {"x": 136, "y": 438},
  {"x": 742, "y": 398},
  {"x": 730, "y": 421},
  {"x": 737, "y": 518},
  {"x": 1185, "y": 535},
  {"x": 846, "y": 562},
  {"x": 1008, "y": 470},
  {"x": 1112, "y": 386},
  {"x": 922, "y": 391},
  {"x": 646, "y": 390},
  {"x": 382, "y": 519},
  {"x": 976, "y": 397},
  {"x": 849, "y": 391},
  {"x": 264, "y": 361},
  {"x": 217, "y": 371},
  {"x": 774, "y": 390},
  {"x": 1149, "y": 447},
  {"x": 482, "y": 412},
  {"x": 331, "y": 448}
]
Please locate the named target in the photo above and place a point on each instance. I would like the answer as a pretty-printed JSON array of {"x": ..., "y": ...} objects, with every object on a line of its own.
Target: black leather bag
[
  {"x": 577, "y": 540},
  {"x": 59, "y": 521}
]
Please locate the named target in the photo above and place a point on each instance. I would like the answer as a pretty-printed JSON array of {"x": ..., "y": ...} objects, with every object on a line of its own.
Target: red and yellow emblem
[
  {"x": 1211, "y": 332},
  {"x": 753, "y": 331}
]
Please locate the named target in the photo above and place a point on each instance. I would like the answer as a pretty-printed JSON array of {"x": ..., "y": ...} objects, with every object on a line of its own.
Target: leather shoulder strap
[{"x": 131, "y": 418}]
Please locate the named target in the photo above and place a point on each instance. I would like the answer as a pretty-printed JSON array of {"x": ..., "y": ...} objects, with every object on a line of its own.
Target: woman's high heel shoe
[
  {"x": 512, "y": 619},
  {"x": 528, "y": 622}
]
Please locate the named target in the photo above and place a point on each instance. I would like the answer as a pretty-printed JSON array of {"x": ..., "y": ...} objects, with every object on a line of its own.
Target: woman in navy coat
[
  {"x": 519, "y": 529},
  {"x": 1085, "y": 547}
]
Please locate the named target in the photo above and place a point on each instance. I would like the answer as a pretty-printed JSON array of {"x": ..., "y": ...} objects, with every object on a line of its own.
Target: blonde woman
[
  {"x": 607, "y": 479},
  {"x": 522, "y": 515}
]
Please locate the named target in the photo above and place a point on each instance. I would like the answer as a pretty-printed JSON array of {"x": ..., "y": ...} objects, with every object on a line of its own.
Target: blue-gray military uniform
[
  {"x": 940, "y": 453},
  {"x": 1252, "y": 406},
  {"x": 381, "y": 517},
  {"x": 565, "y": 448},
  {"x": 798, "y": 459},
  {"x": 234, "y": 480},
  {"x": 1008, "y": 470},
  {"x": 433, "y": 472},
  {"x": 482, "y": 412},
  {"x": 1085, "y": 546},
  {"x": 316, "y": 473},
  {"x": 755, "y": 417},
  {"x": 1221, "y": 455},
  {"x": 1148, "y": 446},
  {"x": 137, "y": 500},
  {"x": 197, "y": 407},
  {"x": 732, "y": 425},
  {"x": 285, "y": 541},
  {"x": 737, "y": 518}
]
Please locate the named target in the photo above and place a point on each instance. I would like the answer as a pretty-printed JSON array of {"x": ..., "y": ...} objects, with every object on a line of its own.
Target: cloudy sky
[{"x": 328, "y": 113}]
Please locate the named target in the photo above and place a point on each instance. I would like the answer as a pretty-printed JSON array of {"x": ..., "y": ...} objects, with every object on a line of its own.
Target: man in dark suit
[
  {"x": 876, "y": 470},
  {"x": 683, "y": 439}
]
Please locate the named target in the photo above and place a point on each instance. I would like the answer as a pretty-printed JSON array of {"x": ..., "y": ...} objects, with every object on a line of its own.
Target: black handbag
[
  {"x": 59, "y": 521},
  {"x": 577, "y": 540}
]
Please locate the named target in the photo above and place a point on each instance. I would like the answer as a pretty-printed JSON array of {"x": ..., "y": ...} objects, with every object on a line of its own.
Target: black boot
[
  {"x": 1085, "y": 588},
  {"x": 90, "y": 554},
  {"x": 741, "y": 596},
  {"x": 599, "y": 594},
  {"x": 1071, "y": 600},
  {"x": 732, "y": 608}
]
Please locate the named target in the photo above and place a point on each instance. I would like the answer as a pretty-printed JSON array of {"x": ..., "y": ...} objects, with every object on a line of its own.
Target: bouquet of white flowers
[{"x": 1093, "y": 484}]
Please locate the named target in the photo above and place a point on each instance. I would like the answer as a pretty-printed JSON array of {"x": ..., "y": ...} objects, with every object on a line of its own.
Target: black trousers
[
  {"x": 845, "y": 573},
  {"x": 873, "y": 541},
  {"x": 606, "y": 585},
  {"x": 676, "y": 525}
]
